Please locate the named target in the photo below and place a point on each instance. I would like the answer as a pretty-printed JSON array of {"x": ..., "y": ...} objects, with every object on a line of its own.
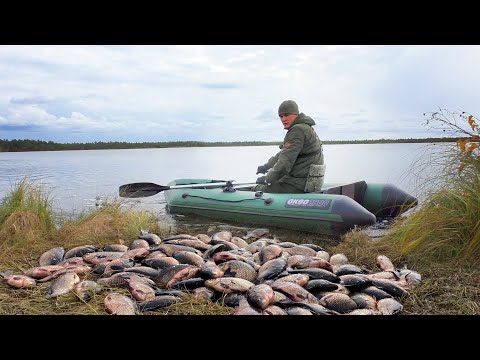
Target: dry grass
[{"x": 450, "y": 284}]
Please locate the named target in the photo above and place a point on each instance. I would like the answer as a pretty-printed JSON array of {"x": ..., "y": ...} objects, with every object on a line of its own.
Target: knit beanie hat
[{"x": 288, "y": 107}]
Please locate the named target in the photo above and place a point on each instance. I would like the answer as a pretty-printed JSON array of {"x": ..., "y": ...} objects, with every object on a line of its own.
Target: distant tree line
[{"x": 38, "y": 145}]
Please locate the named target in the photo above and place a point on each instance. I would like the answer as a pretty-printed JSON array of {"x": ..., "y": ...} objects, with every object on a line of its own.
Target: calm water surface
[{"x": 78, "y": 180}]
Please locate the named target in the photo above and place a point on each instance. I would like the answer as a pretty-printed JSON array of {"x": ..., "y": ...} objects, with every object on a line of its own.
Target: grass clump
[
  {"x": 107, "y": 225},
  {"x": 27, "y": 207},
  {"x": 447, "y": 226}
]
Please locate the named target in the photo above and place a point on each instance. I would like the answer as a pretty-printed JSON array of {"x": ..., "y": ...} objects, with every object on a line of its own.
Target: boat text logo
[{"x": 308, "y": 203}]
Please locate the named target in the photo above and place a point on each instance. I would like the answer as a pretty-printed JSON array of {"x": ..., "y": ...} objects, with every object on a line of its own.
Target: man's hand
[
  {"x": 262, "y": 180},
  {"x": 261, "y": 170}
]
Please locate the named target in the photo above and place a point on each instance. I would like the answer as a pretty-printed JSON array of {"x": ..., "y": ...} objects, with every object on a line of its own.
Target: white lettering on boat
[{"x": 308, "y": 203}]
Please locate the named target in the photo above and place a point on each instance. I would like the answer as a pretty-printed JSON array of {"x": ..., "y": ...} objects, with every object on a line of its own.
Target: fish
[
  {"x": 257, "y": 233},
  {"x": 79, "y": 251},
  {"x": 188, "y": 257},
  {"x": 210, "y": 270},
  {"x": 42, "y": 271},
  {"x": 204, "y": 238},
  {"x": 136, "y": 254},
  {"x": 274, "y": 310},
  {"x": 115, "y": 266},
  {"x": 295, "y": 292},
  {"x": 363, "y": 312},
  {"x": 355, "y": 282},
  {"x": 271, "y": 269},
  {"x": 237, "y": 268},
  {"x": 158, "y": 302},
  {"x": 116, "y": 247},
  {"x": 232, "y": 299},
  {"x": 86, "y": 289},
  {"x": 119, "y": 304},
  {"x": 143, "y": 270},
  {"x": 384, "y": 263},
  {"x": 161, "y": 263},
  {"x": 316, "y": 273},
  {"x": 141, "y": 291},
  {"x": 229, "y": 284},
  {"x": 18, "y": 281},
  {"x": 338, "y": 259},
  {"x": 77, "y": 269},
  {"x": 244, "y": 308},
  {"x": 340, "y": 303},
  {"x": 320, "y": 285},
  {"x": 297, "y": 310},
  {"x": 237, "y": 241},
  {"x": 300, "y": 250},
  {"x": 299, "y": 279},
  {"x": 260, "y": 296},
  {"x": 270, "y": 252},
  {"x": 62, "y": 285},
  {"x": 52, "y": 256},
  {"x": 222, "y": 236},
  {"x": 150, "y": 237},
  {"x": 122, "y": 279},
  {"x": 389, "y": 306},
  {"x": 194, "y": 243},
  {"x": 364, "y": 301},
  {"x": 203, "y": 293},
  {"x": 101, "y": 256},
  {"x": 390, "y": 287},
  {"x": 347, "y": 269},
  {"x": 188, "y": 284},
  {"x": 170, "y": 275},
  {"x": 139, "y": 244},
  {"x": 77, "y": 260}
]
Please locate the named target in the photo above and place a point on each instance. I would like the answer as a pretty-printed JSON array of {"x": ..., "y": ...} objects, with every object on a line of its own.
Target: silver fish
[
  {"x": 338, "y": 302},
  {"x": 389, "y": 306},
  {"x": 62, "y": 285},
  {"x": 52, "y": 256}
]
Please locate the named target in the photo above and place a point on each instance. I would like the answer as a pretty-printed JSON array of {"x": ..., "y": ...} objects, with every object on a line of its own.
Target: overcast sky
[{"x": 132, "y": 93}]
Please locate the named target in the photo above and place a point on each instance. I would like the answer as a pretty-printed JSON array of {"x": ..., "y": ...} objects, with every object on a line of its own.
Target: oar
[{"x": 145, "y": 189}]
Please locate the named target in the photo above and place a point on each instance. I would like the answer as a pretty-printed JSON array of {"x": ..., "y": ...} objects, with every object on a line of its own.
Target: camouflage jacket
[{"x": 301, "y": 148}]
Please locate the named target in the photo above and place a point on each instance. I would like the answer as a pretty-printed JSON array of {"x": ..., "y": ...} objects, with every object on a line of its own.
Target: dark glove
[
  {"x": 261, "y": 170},
  {"x": 262, "y": 180}
]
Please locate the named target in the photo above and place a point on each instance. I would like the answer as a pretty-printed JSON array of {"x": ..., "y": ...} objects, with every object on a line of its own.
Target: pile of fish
[{"x": 266, "y": 276}]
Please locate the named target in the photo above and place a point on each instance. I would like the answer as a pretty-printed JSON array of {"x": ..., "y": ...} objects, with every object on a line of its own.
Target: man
[{"x": 300, "y": 157}]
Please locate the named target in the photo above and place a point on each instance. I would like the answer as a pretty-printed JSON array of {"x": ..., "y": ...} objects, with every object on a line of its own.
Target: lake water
[{"x": 79, "y": 180}]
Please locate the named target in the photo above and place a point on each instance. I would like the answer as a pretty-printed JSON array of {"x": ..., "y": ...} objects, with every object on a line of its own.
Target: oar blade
[{"x": 139, "y": 190}]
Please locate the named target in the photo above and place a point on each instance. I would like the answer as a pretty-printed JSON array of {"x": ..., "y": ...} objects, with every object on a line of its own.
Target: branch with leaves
[{"x": 459, "y": 124}]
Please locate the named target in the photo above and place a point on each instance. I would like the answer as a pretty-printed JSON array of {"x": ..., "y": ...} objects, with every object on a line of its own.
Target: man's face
[{"x": 287, "y": 119}]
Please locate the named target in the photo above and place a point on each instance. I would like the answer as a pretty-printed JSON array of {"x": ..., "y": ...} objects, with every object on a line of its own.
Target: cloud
[{"x": 230, "y": 92}]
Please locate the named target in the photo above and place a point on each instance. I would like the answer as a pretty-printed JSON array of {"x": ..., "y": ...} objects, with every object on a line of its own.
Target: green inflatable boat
[{"x": 334, "y": 210}]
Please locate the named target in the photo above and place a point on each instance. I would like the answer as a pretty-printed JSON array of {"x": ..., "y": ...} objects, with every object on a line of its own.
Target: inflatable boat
[{"x": 334, "y": 210}]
